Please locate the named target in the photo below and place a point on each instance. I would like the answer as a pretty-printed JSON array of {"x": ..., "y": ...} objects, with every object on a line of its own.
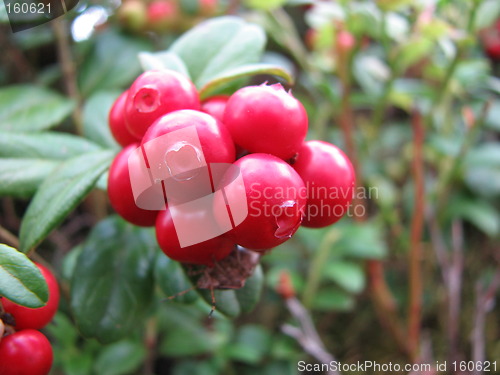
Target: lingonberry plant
[{"x": 214, "y": 174}]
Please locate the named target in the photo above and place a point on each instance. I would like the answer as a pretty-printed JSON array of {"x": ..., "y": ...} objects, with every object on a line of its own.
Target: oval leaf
[
  {"x": 120, "y": 358},
  {"x": 172, "y": 280},
  {"x": 59, "y": 194},
  {"x": 112, "y": 63},
  {"x": 217, "y": 45},
  {"x": 22, "y": 281},
  {"x": 113, "y": 285},
  {"x": 21, "y": 178},
  {"x": 162, "y": 60},
  {"x": 44, "y": 145},
  {"x": 95, "y": 119},
  {"x": 26, "y": 108},
  {"x": 248, "y": 70}
]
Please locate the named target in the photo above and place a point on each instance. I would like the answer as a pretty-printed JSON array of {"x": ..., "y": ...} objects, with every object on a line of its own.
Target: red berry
[
  {"x": 345, "y": 42},
  {"x": 117, "y": 122},
  {"x": 217, "y": 145},
  {"x": 162, "y": 14},
  {"x": 121, "y": 194},
  {"x": 27, "y": 318},
  {"x": 155, "y": 93},
  {"x": 266, "y": 119},
  {"x": 329, "y": 178},
  {"x": 276, "y": 198},
  {"x": 27, "y": 352},
  {"x": 206, "y": 252},
  {"x": 215, "y": 106}
]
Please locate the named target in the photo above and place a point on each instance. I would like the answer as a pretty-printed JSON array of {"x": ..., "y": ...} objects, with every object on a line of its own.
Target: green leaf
[
  {"x": 249, "y": 295},
  {"x": 59, "y": 194},
  {"x": 27, "y": 108},
  {"x": 482, "y": 170},
  {"x": 21, "y": 178},
  {"x": 265, "y": 4},
  {"x": 244, "y": 71},
  {"x": 477, "y": 212},
  {"x": 252, "y": 344},
  {"x": 162, "y": 60},
  {"x": 226, "y": 302},
  {"x": 361, "y": 240},
  {"x": 95, "y": 119},
  {"x": 172, "y": 280},
  {"x": 348, "y": 275},
  {"x": 113, "y": 285},
  {"x": 328, "y": 299},
  {"x": 120, "y": 358},
  {"x": 4, "y": 18},
  {"x": 487, "y": 13},
  {"x": 112, "y": 63},
  {"x": 185, "y": 333},
  {"x": 44, "y": 145},
  {"x": 22, "y": 281},
  {"x": 218, "y": 45}
]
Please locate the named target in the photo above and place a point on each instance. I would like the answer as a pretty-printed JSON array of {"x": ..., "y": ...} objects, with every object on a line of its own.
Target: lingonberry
[
  {"x": 329, "y": 178},
  {"x": 117, "y": 123},
  {"x": 206, "y": 252},
  {"x": 162, "y": 14},
  {"x": 276, "y": 198},
  {"x": 27, "y": 318},
  {"x": 155, "y": 93},
  {"x": 215, "y": 106},
  {"x": 217, "y": 145},
  {"x": 120, "y": 191},
  {"x": 266, "y": 119},
  {"x": 27, "y": 352}
]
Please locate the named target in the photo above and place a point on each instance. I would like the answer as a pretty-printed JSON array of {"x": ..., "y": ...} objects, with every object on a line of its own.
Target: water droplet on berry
[
  {"x": 288, "y": 219},
  {"x": 147, "y": 99},
  {"x": 183, "y": 161}
]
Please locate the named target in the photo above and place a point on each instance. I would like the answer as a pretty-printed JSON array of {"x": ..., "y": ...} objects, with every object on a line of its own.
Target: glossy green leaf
[
  {"x": 251, "y": 345},
  {"x": 328, "y": 299},
  {"x": 59, "y": 194},
  {"x": 95, "y": 119},
  {"x": 120, "y": 358},
  {"x": 218, "y": 45},
  {"x": 487, "y": 13},
  {"x": 244, "y": 71},
  {"x": 265, "y": 4},
  {"x": 112, "y": 63},
  {"x": 21, "y": 177},
  {"x": 482, "y": 169},
  {"x": 185, "y": 332},
  {"x": 22, "y": 282},
  {"x": 162, "y": 60},
  {"x": 477, "y": 212},
  {"x": 226, "y": 301},
  {"x": 348, "y": 275},
  {"x": 113, "y": 285},
  {"x": 172, "y": 280},
  {"x": 44, "y": 145},
  {"x": 361, "y": 240},
  {"x": 28, "y": 108},
  {"x": 249, "y": 295}
]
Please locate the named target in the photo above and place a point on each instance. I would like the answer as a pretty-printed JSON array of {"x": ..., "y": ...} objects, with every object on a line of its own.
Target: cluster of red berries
[
  {"x": 165, "y": 15},
  {"x": 275, "y": 181},
  {"x": 24, "y": 350}
]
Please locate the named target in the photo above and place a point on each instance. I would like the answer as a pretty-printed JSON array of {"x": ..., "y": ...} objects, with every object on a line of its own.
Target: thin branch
[
  {"x": 415, "y": 255},
  {"x": 484, "y": 303},
  {"x": 68, "y": 69},
  {"x": 455, "y": 287},
  {"x": 307, "y": 335},
  {"x": 9, "y": 237}
]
